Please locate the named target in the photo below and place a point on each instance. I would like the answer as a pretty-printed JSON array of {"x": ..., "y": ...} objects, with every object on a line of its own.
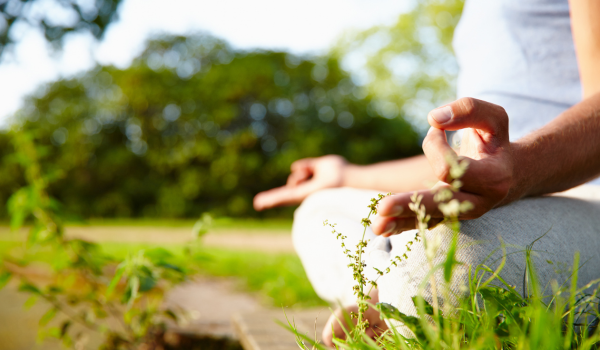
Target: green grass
[
  {"x": 278, "y": 279},
  {"x": 247, "y": 225},
  {"x": 222, "y": 223}
]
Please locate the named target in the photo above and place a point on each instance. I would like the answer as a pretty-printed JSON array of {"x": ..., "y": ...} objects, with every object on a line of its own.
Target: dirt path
[{"x": 211, "y": 302}]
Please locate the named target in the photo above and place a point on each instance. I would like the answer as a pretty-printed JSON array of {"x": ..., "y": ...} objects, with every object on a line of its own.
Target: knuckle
[
  {"x": 503, "y": 119},
  {"x": 426, "y": 143},
  {"x": 297, "y": 164},
  {"x": 468, "y": 105}
]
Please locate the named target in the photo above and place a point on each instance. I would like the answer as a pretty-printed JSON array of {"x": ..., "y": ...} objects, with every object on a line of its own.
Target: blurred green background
[
  {"x": 133, "y": 155},
  {"x": 196, "y": 126}
]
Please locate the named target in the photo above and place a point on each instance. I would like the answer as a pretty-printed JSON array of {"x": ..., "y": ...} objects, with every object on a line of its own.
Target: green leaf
[
  {"x": 170, "y": 314},
  {"x": 53, "y": 332},
  {"x": 30, "y": 302},
  {"x": 388, "y": 311},
  {"x": 54, "y": 290},
  {"x": 428, "y": 308},
  {"x": 115, "y": 280},
  {"x": 64, "y": 328},
  {"x": 147, "y": 283},
  {"x": 29, "y": 288},
  {"x": 20, "y": 205},
  {"x": 202, "y": 226},
  {"x": 48, "y": 316},
  {"x": 451, "y": 258},
  {"x": 33, "y": 236},
  {"x": 134, "y": 287},
  {"x": 171, "y": 267},
  {"x": 144, "y": 270},
  {"x": 507, "y": 302},
  {"x": 4, "y": 278}
]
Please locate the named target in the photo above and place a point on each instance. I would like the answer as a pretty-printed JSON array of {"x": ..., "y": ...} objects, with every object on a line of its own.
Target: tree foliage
[
  {"x": 409, "y": 67},
  {"x": 195, "y": 126},
  {"x": 77, "y": 16}
]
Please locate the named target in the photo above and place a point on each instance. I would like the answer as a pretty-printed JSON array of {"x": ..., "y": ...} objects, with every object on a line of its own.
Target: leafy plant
[{"x": 84, "y": 288}]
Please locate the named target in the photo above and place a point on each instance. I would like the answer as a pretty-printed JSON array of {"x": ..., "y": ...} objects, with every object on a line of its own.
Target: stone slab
[{"x": 259, "y": 330}]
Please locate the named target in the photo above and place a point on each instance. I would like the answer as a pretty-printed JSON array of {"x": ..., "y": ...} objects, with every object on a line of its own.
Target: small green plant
[
  {"x": 86, "y": 289},
  {"x": 492, "y": 315},
  {"x": 357, "y": 264}
]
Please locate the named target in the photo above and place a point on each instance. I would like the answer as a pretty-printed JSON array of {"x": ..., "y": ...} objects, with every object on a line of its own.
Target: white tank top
[{"x": 518, "y": 54}]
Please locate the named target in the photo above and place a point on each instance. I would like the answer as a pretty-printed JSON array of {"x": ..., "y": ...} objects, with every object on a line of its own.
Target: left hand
[{"x": 488, "y": 178}]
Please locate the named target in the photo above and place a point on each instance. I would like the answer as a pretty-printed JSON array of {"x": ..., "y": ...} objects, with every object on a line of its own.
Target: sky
[{"x": 302, "y": 27}]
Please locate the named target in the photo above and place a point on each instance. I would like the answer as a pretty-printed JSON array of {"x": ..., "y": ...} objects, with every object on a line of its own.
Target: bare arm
[
  {"x": 562, "y": 154},
  {"x": 566, "y": 151},
  {"x": 402, "y": 175},
  {"x": 585, "y": 24},
  {"x": 313, "y": 174}
]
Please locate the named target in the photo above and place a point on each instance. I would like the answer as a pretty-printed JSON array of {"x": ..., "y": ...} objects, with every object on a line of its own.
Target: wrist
[
  {"x": 519, "y": 187},
  {"x": 349, "y": 174}
]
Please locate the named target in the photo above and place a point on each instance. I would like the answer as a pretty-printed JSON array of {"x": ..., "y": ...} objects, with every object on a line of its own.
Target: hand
[
  {"x": 308, "y": 175},
  {"x": 488, "y": 178}
]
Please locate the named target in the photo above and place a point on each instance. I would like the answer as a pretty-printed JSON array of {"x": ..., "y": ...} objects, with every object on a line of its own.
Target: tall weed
[{"x": 86, "y": 289}]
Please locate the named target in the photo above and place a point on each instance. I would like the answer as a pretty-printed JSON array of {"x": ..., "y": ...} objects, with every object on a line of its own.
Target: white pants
[{"x": 571, "y": 220}]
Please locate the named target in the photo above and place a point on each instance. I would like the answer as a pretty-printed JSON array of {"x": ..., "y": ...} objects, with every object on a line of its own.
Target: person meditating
[{"x": 529, "y": 113}]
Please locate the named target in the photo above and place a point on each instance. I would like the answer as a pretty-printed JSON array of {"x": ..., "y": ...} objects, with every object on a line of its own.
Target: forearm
[
  {"x": 561, "y": 155},
  {"x": 403, "y": 175}
]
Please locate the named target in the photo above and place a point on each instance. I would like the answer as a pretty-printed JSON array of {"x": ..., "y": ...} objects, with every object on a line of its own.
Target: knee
[
  {"x": 341, "y": 201},
  {"x": 413, "y": 275}
]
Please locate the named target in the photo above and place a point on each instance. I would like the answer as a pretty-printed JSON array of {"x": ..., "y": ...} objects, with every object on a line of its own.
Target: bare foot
[{"x": 337, "y": 322}]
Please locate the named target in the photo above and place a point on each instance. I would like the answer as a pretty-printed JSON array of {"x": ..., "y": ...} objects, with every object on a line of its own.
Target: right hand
[{"x": 308, "y": 175}]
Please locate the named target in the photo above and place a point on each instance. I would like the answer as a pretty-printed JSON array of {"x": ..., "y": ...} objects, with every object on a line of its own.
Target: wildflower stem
[{"x": 362, "y": 298}]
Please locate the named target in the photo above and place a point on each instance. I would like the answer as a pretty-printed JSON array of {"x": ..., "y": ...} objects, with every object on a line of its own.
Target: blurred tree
[
  {"x": 408, "y": 68},
  {"x": 55, "y": 18},
  {"x": 195, "y": 126}
]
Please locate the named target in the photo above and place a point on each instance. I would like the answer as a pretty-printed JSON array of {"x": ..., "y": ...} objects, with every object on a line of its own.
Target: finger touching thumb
[{"x": 469, "y": 112}]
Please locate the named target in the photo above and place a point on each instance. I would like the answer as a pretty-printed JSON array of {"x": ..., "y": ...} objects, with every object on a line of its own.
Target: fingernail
[
  {"x": 396, "y": 210},
  {"x": 389, "y": 227},
  {"x": 442, "y": 115}
]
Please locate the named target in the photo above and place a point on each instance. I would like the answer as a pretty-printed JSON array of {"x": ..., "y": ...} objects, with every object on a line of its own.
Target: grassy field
[
  {"x": 277, "y": 278},
  {"x": 222, "y": 223}
]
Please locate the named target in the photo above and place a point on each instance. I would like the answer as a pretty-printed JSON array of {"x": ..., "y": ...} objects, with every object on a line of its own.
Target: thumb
[{"x": 471, "y": 113}]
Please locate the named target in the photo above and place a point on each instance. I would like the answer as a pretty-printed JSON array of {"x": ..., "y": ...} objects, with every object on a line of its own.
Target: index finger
[
  {"x": 394, "y": 213},
  {"x": 469, "y": 112},
  {"x": 398, "y": 205},
  {"x": 285, "y": 195}
]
